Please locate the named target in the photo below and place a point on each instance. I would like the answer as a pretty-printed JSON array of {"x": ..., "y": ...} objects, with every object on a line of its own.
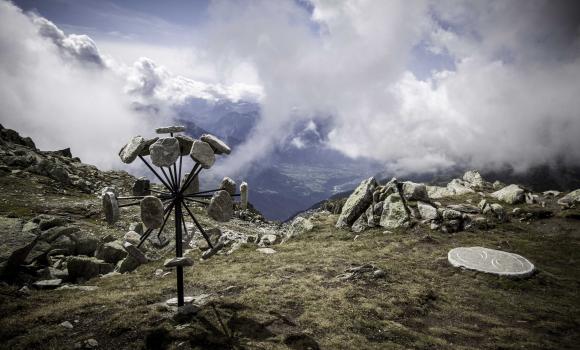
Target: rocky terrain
[{"x": 366, "y": 271}]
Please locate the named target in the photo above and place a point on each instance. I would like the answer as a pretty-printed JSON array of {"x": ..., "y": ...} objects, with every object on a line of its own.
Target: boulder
[
  {"x": 360, "y": 224},
  {"x": 152, "y": 212},
  {"x": 221, "y": 206},
  {"x": 394, "y": 213},
  {"x": 268, "y": 239},
  {"x": 85, "y": 242},
  {"x": 132, "y": 149},
  {"x": 475, "y": 180},
  {"x": 300, "y": 225},
  {"x": 437, "y": 192},
  {"x": 427, "y": 211},
  {"x": 165, "y": 151},
  {"x": 141, "y": 187},
  {"x": 465, "y": 208},
  {"x": 132, "y": 237},
  {"x": 202, "y": 153},
  {"x": 170, "y": 129},
  {"x": 130, "y": 263},
  {"x": 357, "y": 203},
  {"x": 15, "y": 245},
  {"x": 512, "y": 194},
  {"x": 185, "y": 143},
  {"x": 459, "y": 187},
  {"x": 82, "y": 267},
  {"x": 111, "y": 252},
  {"x": 193, "y": 185},
  {"x": 178, "y": 261},
  {"x": 216, "y": 144},
  {"x": 244, "y": 196},
  {"x": 373, "y": 214},
  {"x": 415, "y": 191},
  {"x": 451, "y": 214},
  {"x": 145, "y": 151},
  {"x": 110, "y": 207},
  {"x": 136, "y": 227},
  {"x": 492, "y": 261},
  {"x": 137, "y": 254},
  {"x": 228, "y": 185},
  {"x": 571, "y": 199}
]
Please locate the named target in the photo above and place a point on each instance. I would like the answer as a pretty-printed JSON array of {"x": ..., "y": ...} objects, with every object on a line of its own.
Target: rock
[
  {"x": 145, "y": 151},
  {"x": 512, "y": 194},
  {"x": 221, "y": 206},
  {"x": 459, "y": 187},
  {"x": 141, "y": 187},
  {"x": 48, "y": 222},
  {"x": 170, "y": 129},
  {"x": 47, "y": 284},
  {"x": 152, "y": 212},
  {"x": 551, "y": 193},
  {"x": 165, "y": 151},
  {"x": 451, "y": 214},
  {"x": 268, "y": 239},
  {"x": 437, "y": 192},
  {"x": 65, "y": 244},
  {"x": 135, "y": 253},
  {"x": 128, "y": 264},
  {"x": 202, "y": 153},
  {"x": 110, "y": 207},
  {"x": 211, "y": 252},
  {"x": 178, "y": 261},
  {"x": 244, "y": 196},
  {"x": 266, "y": 250},
  {"x": 91, "y": 343},
  {"x": 132, "y": 149},
  {"x": 374, "y": 213},
  {"x": 492, "y": 261},
  {"x": 132, "y": 237},
  {"x": 360, "y": 224},
  {"x": 571, "y": 199},
  {"x": 136, "y": 227},
  {"x": 465, "y": 208},
  {"x": 216, "y": 144},
  {"x": 15, "y": 245},
  {"x": 193, "y": 185},
  {"x": 112, "y": 189},
  {"x": 357, "y": 203},
  {"x": 67, "y": 325},
  {"x": 379, "y": 273},
  {"x": 475, "y": 180},
  {"x": 394, "y": 213},
  {"x": 415, "y": 191},
  {"x": 228, "y": 185},
  {"x": 111, "y": 252},
  {"x": 87, "y": 267},
  {"x": 85, "y": 243},
  {"x": 450, "y": 226},
  {"x": 498, "y": 211},
  {"x": 185, "y": 143},
  {"x": 498, "y": 185},
  {"x": 300, "y": 225},
  {"x": 427, "y": 211}
]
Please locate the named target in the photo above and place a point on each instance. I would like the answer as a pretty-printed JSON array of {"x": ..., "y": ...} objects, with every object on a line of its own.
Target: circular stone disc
[{"x": 491, "y": 261}]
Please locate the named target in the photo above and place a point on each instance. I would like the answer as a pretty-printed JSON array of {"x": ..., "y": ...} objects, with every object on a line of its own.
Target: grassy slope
[{"x": 293, "y": 299}]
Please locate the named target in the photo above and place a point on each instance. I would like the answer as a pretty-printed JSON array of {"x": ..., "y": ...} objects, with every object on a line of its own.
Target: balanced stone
[
  {"x": 141, "y": 187},
  {"x": 152, "y": 212},
  {"x": 218, "y": 145},
  {"x": 111, "y": 207},
  {"x": 178, "y": 261},
  {"x": 132, "y": 149},
  {"x": 145, "y": 151},
  {"x": 228, "y": 185},
  {"x": 185, "y": 143},
  {"x": 165, "y": 151},
  {"x": 193, "y": 185},
  {"x": 244, "y": 195},
  {"x": 491, "y": 261},
  {"x": 202, "y": 153},
  {"x": 170, "y": 129},
  {"x": 221, "y": 206}
]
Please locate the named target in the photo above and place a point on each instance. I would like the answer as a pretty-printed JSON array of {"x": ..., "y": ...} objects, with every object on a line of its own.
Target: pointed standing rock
[
  {"x": 244, "y": 195},
  {"x": 221, "y": 206},
  {"x": 131, "y": 150},
  {"x": 165, "y": 151},
  {"x": 218, "y": 145},
  {"x": 193, "y": 185},
  {"x": 202, "y": 153},
  {"x": 152, "y": 212},
  {"x": 357, "y": 203},
  {"x": 110, "y": 207},
  {"x": 228, "y": 185}
]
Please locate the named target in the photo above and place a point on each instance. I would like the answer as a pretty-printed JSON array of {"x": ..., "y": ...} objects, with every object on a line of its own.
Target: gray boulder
[
  {"x": 136, "y": 227},
  {"x": 152, "y": 212},
  {"x": 137, "y": 254},
  {"x": 111, "y": 252},
  {"x": 221, "y": 206},
  {"x": 357, "y": 203},
  {"x": 130, "y": 263},
  {"x": 165, "y": 151},
  {"x": 228, "y": 185},
  {"x": 178, "y": 261},
  {"x": 141, "y": 187},
  {"x": 82, "y": 267},
  {"x": 394, "y": 213},
  {"x": 415, "y": 191},
  {"x": 145, "y": 151},
  {"x": 300, "y": 225},
  {"x": 132, "y": 149},
  {"x": 572, "y": 198},
  {"x": 427, "y": 211},
  {"x": 512, "y": 194},
  {"x": 132, "y": 237}
]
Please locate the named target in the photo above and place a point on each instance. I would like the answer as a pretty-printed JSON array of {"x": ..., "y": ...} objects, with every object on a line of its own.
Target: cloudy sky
[{"x": 415, "y": 85}]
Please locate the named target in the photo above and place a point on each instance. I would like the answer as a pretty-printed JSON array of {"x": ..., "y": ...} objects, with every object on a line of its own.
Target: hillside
[{"x": 302, "y": 285}]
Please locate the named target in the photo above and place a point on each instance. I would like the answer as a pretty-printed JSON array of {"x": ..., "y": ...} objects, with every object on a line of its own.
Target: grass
[{"x": 292, "y": 299}]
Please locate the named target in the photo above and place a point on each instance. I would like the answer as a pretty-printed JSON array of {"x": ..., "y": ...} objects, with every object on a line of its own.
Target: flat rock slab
[
  {"x": 197, "y": 300},
  {"x": 178, "y": 261},
  {"x": 170, "y": 129},
  {"x": 491, "y": 261}
]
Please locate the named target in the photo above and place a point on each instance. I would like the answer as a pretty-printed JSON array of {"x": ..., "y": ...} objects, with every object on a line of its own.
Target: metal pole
[
  {"x": 156, "y": 174},
  {"x": 178, "y": 250}
]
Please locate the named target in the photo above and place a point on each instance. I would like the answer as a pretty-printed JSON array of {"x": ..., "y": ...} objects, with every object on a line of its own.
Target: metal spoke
[
  {"x": 202, "y": 192},
  {"x": 168, "y": 179},
  {"x": 180, "y": 164},
  {"x": 166, "y": 212},
  {"x": 129, "y": 204},
  {"x": 160, "y": 192},
  {"x": 189, "y": 178},
  {"x": 156, "y": 174},
  {"x": 198, "y": 226},
  {"x": 196, "y": 201}
]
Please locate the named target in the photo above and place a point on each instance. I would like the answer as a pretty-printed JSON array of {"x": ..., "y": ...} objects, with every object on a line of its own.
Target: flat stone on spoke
[
  {"x": 185, "y": 143},
  {"x": 170, "y": 129},
  {"x": 145, "y": 151},
  {"x": 132, "y": 149},
  {"x": 492, "y": 261},
  {"x": 218, "y": 145},
  {"x": 202, "y": 153},
  {"x": 152, "y": 212},
  {"x": 110, "y": 207},
  {"x": 165, "y": 151},
  {"x": 178, "y": 261}
]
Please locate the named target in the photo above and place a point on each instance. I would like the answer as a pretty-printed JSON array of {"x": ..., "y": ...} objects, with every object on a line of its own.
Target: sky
[{"x": 416, "y": 85}]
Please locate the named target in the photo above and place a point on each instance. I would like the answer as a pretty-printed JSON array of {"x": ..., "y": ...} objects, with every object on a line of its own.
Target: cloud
[{"x": 511, "y": 97}]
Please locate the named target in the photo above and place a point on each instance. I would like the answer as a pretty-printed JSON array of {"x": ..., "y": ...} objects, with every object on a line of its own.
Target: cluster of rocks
[
  {"x": 404, "y": 204},
  {"x": 19, "y": 155},
  {"x": 48, "y": 251}
]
